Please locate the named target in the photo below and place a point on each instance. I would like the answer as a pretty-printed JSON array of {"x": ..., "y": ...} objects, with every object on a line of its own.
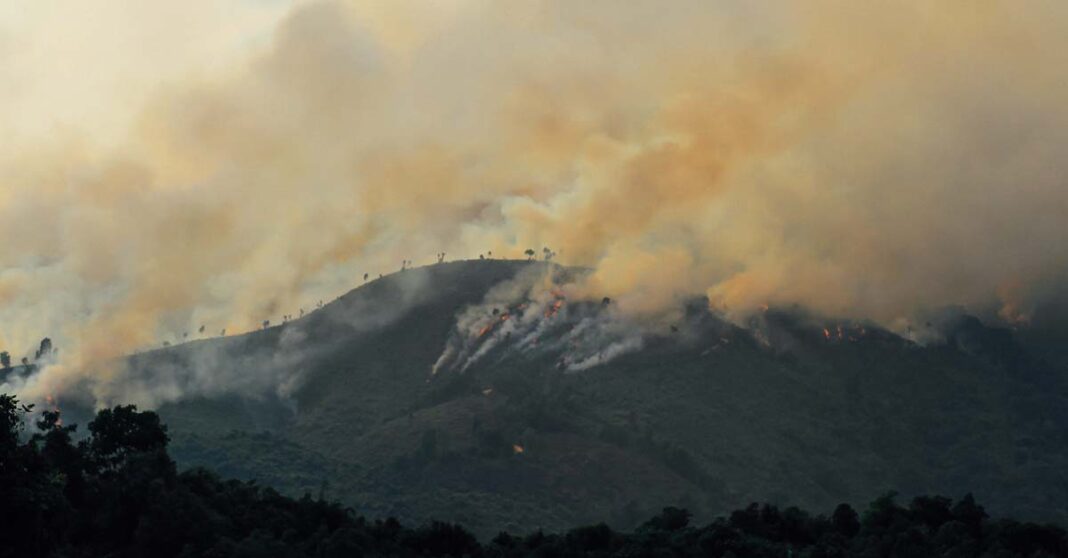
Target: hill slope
[{"x": 704, "y": 415}]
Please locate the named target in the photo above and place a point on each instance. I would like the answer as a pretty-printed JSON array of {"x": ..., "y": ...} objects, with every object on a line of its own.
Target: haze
[{"x": 170, "y": 166}]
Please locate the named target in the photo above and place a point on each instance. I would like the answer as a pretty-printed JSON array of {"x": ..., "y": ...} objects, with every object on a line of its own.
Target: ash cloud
[{"x": 868, "y": 161}]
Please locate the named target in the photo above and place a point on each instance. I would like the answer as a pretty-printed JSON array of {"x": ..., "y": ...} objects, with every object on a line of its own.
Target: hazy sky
[{"x": 166, "y": 165}]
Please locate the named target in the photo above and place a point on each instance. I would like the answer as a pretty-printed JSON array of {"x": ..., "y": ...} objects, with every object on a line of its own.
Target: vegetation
[
  {"x": 117, "y": 493},
  {"x": 708, "y": 419}
]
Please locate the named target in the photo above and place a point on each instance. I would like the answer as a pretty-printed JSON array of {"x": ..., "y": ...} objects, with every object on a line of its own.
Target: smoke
[
  {"x": 868, "y": 161},
  {"x": 531, "y": 315}
]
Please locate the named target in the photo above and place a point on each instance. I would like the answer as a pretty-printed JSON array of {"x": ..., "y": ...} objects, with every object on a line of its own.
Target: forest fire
[
  {"x": 850, "y": 333},
  {"x": 489, "y": 327},
  {"x": 53, "y": 405}
]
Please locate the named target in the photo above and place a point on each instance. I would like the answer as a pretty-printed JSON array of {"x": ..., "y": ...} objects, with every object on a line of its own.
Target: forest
[{"x": 115, "y": 491}]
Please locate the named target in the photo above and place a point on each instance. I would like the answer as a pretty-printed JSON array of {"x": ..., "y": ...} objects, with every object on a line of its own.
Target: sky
[{"x": 169, "y": 165}]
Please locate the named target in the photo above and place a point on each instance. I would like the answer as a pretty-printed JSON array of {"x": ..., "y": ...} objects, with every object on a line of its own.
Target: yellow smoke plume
[{"x": 863, "y": 159}]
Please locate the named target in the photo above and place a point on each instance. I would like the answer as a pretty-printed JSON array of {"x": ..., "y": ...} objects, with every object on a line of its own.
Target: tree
[
  {"x": 845, "y": 520},
  {"x": 45, "y": 350},
  {"x": 547, "y": 253},
  {"x": 10, "y": 426},
  {"x": 670, "y": 519},
  {"x": 530, "y": 254},
  {"x": 5, "y": 360},
  {"x": 122, "y": 431}
]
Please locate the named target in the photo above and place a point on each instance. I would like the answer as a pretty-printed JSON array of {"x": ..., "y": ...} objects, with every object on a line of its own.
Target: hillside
[{"x": 704, "y": 415}]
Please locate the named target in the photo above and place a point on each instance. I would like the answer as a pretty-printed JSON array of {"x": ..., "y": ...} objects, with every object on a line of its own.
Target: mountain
[{"x": 473, "y": 392}]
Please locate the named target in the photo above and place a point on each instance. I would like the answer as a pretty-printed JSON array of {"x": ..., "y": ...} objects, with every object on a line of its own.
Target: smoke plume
[{"x": 866, "y": 160}]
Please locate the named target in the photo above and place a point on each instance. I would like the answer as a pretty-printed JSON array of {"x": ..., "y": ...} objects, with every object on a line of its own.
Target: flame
[
  {"x": 517, "y": 449},
  {"x": 826, "y": 334},
  {"x": 489, "y": 327},
  {"x": 554, "y": 308},
  {"x": 53, "y": 403}
]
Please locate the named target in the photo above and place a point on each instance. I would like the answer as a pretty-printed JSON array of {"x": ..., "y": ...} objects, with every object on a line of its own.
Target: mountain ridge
[{"x": 710, "y": 417}]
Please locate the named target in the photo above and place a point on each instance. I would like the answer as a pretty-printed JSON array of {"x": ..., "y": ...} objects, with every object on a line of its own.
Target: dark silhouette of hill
[
  {"x": 118, "y": 493},
  {"x": 795, "y": 410}
]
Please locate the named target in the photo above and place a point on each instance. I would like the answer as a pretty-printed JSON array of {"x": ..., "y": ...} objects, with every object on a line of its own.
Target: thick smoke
[{"x": 867, "y": 160}]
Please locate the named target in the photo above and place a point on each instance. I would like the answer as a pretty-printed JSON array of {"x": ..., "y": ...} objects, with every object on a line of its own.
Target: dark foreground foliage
[{"x": 118, "y": 493}]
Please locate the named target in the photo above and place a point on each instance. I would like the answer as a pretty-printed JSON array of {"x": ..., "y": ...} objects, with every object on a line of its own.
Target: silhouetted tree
[
  {"x": 845, "y": 520},
  {"x": 5, "y": 360},
  {"x": 121, "y": 432},
  {"x": 670, "y": 519},
  {"x": 44, "y": 350},
  {"x": 118, "y": 493},
  {"x": 530, "y": 254}
]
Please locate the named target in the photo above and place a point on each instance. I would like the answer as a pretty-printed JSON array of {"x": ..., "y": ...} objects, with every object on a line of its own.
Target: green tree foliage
[{"x": 116, "y": 493}]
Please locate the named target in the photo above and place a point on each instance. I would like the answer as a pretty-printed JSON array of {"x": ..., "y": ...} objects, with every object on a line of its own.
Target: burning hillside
[{"x": 532, "y": 317}]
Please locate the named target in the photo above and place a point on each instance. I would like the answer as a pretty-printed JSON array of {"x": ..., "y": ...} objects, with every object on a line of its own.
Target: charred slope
[{"x": 703, "y": 414}]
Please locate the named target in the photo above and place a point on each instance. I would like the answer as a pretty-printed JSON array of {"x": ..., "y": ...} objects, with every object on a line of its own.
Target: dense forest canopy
[{"x": 118, "y": 493}]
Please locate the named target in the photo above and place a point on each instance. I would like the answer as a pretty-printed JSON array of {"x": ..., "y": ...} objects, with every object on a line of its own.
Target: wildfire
[
  {"x": 554, "y": 308},
  {"x": 517, "y": 449},
  {"x": 489, "y": 327},
  {"x": 53, "y": 404},
  {"x": 852, "y": 333}
]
